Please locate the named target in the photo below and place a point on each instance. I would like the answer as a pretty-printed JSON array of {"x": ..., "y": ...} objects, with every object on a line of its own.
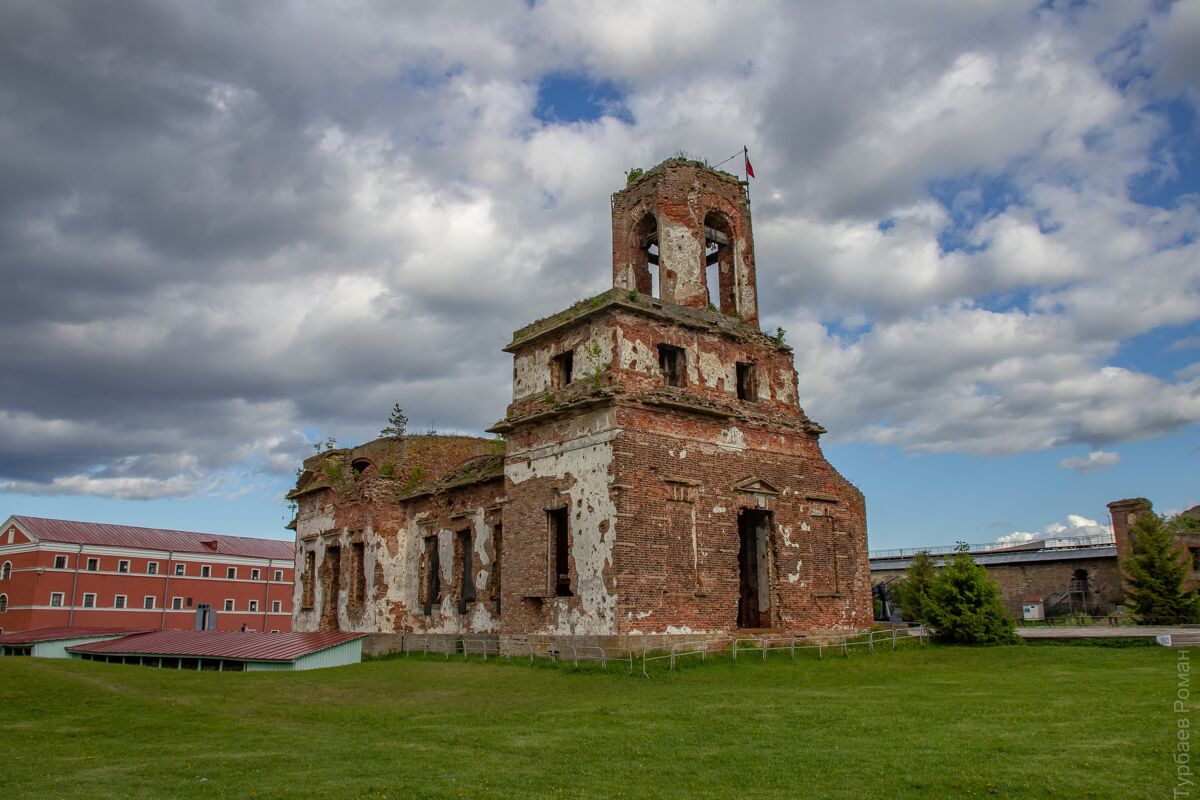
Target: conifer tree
[
  {"x": 964, "y": 606},
  {"x": 1155, "y": 572},
  {"x": 397, "y": 423},
  {"x": 912, "y": 592}
]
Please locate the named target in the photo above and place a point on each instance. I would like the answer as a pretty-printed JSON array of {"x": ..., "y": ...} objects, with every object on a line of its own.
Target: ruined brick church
[{"x": 656, "y": 478}]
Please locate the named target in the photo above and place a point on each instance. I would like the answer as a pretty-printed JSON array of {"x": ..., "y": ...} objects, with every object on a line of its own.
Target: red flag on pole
[{"x": 749, "y": 169}]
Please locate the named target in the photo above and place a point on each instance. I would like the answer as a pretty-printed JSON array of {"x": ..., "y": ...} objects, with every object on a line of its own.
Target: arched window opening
[
  {"x": 359, "y": 466},
  {"x": 3, "y": 603},
  {"x": 645, "y": 256},
  {"x": 6, "y": 571},
  {"x": 718, "y": 262}
]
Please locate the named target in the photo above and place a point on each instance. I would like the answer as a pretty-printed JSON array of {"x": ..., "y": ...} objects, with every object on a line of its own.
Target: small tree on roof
[
  {"x": 1155, "y": 572},
  {"x": 397, "y": 423}
]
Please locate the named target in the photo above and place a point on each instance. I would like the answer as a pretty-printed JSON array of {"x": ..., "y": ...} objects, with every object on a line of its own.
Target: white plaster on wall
[{"x": 591, "y": 548}]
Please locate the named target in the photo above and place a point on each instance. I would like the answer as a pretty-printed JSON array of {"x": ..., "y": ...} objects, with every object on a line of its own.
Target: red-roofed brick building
[{"x": 83, "y": 574}]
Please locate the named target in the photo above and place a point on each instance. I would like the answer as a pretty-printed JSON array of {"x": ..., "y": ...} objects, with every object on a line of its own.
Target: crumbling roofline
[{"x": 650, "y": 306}]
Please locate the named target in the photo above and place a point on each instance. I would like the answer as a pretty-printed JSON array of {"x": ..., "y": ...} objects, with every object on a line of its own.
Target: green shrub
[{"x": 964, "y": 606}]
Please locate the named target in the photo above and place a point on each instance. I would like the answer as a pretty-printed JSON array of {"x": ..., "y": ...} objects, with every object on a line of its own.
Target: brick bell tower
[
  {"x": 661, "y": 479},
  {"x": 691, "y": 224}
]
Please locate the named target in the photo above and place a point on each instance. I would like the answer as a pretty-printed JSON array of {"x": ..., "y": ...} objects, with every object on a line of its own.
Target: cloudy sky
[{"x": 230, "y": 229}]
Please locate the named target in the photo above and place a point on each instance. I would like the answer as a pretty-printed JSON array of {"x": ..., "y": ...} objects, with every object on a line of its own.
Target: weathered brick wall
[
  {"x": 1050, "y": 580},
  {"x": 338, "y": 508},
  {"x": 677, "y": 527}
]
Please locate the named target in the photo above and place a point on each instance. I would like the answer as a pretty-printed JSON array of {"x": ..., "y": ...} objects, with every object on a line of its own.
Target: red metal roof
[
  {"x": 96, "y": 533},
  {"x": 220, "y": 644},
  {"x": 63, "y": 632}
]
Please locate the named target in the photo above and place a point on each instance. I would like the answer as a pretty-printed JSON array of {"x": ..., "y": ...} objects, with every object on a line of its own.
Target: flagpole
[{"x": 746, "y": 169}]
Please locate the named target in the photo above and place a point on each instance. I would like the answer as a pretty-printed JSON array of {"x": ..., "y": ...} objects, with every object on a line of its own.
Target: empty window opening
[
  {"x": 432, "y": 581},
  {"x": 255, "y": 574},
  {"x": 672, "y": 362},
  {"x": 333, "y": 588},
  {"x": 6, "y": 571},
  {"x": 560, "y": 554},
  {"x": 231, "y": 573},
  {"x": 93, "y": 564},
  {"x": 188, "y": 602},
  {"x": 4, "y": 603},
  {"x": 467, "y": 572},
  {"x": 747, "y": 389},
  {"x": 56, "y": 599},
  {"x": 494, "y": 575},
  {"x": 563, "y": 368},
  {"x": 359, "y": 466},
  {"x": 60, "y": 562},
  {"x": 718, "y": 262},
  {"x": 358, "y": 563},
  {"x": 754, "y": 595},
  {"x": 308, "y": 582},
  {"x": 645, "y": 257},
  {"x": 278, "y": 576},
  {"x": 205, "y": 571}
]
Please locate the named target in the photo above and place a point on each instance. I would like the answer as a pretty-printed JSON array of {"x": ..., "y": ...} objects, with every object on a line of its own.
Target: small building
[
  {"x": 1071, "y": 575},
  {"x": 53, "y": 642},
  {"x": 62, "y": 573},
  {"x": 227, "y": 651}
]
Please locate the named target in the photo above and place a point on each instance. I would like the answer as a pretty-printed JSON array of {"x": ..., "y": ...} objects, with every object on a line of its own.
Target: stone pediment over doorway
[{"x": 756, "y": 485}]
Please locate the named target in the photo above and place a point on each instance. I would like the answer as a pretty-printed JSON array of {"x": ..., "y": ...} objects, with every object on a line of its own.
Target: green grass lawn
[{"x": 1034, "y": 722}]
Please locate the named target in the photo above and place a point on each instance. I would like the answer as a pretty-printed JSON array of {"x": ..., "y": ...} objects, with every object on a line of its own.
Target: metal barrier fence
[{"x": 566, "y": 650}]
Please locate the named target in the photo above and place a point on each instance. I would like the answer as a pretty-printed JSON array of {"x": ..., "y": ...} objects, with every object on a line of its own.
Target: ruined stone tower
[{"x": 658, "y": 477}]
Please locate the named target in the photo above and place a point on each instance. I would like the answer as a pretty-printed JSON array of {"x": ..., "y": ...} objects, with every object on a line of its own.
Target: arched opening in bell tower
[
  {"x": 718, "y": 262},
  {"x": 644, "y": 258}
]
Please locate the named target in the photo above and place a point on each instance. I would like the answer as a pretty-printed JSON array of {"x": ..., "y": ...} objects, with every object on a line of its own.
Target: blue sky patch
[{"x": 574, "y": 97}]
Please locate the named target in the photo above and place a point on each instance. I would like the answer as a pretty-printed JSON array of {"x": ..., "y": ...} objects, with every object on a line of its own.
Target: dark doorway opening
[
  {"x": 754, "y": 591},
  {"x": 560, "y": 552}
]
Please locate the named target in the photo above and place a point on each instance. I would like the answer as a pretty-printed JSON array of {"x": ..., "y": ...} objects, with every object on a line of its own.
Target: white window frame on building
[
  {"x": 229, "y": 605},
  {"x": 177, "y": 604},
  {"x": 253, "y": 605},
  {"x": 57, "y": 599},
  {"x": 120, "y": 601},
  {"x": 231, "y": 573},
  {"x": 255, "y": 574},
  {"x": 93, "y": 565},
  {"x": 89, "y": 599},
  {"x": 151, "y": 567},
  {"x": 60, "y": 562},
  {"x": 5, "y": 570},
  {"x": 279, "y": 576},
  {"x": 205, "y": 570},
  {"x": 123, "y": 566},
  {"x": 148, "y": 602},
  {"x": 180, "y": 570},
  {"x": 276, "y": 607}
]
